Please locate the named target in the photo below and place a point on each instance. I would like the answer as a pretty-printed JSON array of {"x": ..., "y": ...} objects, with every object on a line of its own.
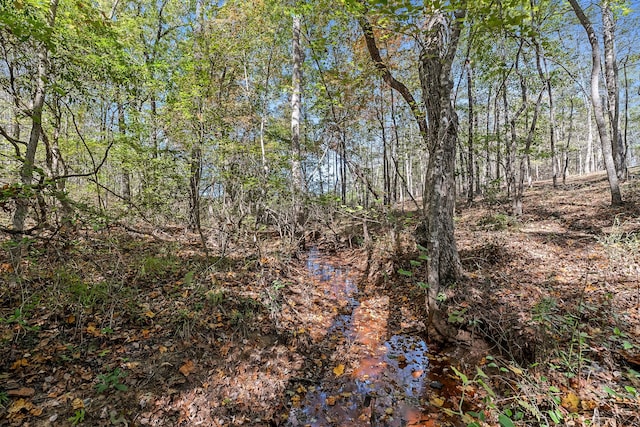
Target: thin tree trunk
[
  {"x": 613, "y": 91},
  {"x": 605, "y": 141},
  {"x": 566, "y": 149},
  {"x": 470, "y": 160},
  {"x": 26, "y": 171},
  {"x": 126, "y": 174}
]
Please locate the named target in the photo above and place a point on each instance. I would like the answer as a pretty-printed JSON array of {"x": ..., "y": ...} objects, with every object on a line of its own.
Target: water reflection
[{"x": 384, "y": 379}]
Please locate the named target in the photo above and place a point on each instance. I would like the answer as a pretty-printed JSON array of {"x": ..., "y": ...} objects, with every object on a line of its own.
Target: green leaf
[
  {"x": 556, "y": 416},
  {"x": 505, "y": 421},
  {"x": 611, "y": 392},
  {"x": 423, "y": 285},
  {"x": 463, "y": 377},
  {"x": 404, "y": 272},
  {"x": 487, "y": 388},
  {"x": 481, "y": 373}
]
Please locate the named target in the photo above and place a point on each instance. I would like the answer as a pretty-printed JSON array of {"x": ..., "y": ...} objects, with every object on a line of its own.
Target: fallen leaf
[
  {"x": 338, "y": 370},
  {"x": 515, "y": 370},
  {"x": 570, "y": 402},
  {"x": 77, "y": 403},
  {"x": 331, "y": 400},
  {"x": 35, "y": 411},
  {"x": 21, "y": 392},
  {"x": 295, "y": 400},
  {"x": 416, "y": 374},
  {"x": 150, "y": 314},
  {"x": 187, "y": 368},
  {"x": 19, "y": 363},
  {"x": 91, "y": 329},
  {"x": 437, "y": 401},
  {"x": 588, "y": 405},
  {"x": 19, "y": 405}
]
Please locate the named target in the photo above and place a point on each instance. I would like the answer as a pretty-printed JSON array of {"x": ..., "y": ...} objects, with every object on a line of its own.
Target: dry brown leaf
[
  {"x": 21, "y": 392},
  {"x": 437, "y": 401},
  {"x": 19, "y": 405},
  {"x": 91, "y": 329},
  {"x": 187, "y": 368},
  {"x": 77, "y": 403},
  {"x": 19, "y": 363},
  {"x": 338, "y": 370}
]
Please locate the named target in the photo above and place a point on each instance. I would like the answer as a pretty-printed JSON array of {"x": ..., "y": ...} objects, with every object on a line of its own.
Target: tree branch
[
  {"x": 13, "y": 141},
  {"x": 395, "y": 84}
]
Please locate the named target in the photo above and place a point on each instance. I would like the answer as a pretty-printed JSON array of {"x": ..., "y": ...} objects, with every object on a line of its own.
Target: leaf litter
[{"x": 173, "y": 339}]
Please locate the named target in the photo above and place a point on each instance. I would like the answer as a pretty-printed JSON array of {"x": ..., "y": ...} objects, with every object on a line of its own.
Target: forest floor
[{"x": 112, "y": 328}]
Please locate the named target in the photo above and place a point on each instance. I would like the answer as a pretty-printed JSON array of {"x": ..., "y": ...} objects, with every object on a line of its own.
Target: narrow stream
[{"x": 374, "y": 377}]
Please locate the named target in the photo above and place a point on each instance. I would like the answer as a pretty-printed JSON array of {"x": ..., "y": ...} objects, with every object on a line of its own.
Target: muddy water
[{"x": 374, "y": 376}]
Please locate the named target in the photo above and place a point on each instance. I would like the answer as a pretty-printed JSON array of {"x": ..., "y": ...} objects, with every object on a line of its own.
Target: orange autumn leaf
[
  {"x": 19, "y": 364},
  {"x": 187, "y": 368},
  {"x": 338, "y": 370}
]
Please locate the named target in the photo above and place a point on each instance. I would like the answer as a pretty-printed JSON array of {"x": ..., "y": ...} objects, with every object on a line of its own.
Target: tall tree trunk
[
  {"x": 26, "y": 171},
  {"x": 436, "y": 231},
  {"x": 470, "y": 160},
  {"x": 605, "y": 141},
  {"x": 437, "y": 235},
  {"x": 613, "y": 91},
  {"x": 296, "y": 109}
]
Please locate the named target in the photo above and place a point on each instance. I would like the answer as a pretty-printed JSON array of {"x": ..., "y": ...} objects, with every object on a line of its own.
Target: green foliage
[
  {"x": 111, "y": 381},
  {"x": 77, "y": 417},
  {"x": 4, "y": 399},
  {"x": 156, "y": 267},
  {"x": 497, "y": 222}
]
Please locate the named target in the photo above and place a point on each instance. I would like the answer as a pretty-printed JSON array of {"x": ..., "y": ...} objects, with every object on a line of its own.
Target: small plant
[
  {"x": 18, "y": 318},
  {"x": 111, "y": 380},
  {"x": 4, "y": 399},
  {"x": 78, "y": 417},
  {"x": 214, "y": 296}
]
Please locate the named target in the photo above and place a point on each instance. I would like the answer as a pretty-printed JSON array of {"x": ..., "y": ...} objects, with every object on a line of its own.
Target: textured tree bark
[
  {"x": 605, "y": 140},
  {"x": 613, "y": 90},
  {"x": 26, "y": 171},
  {"x": 436, "y": 231},
  {"x": 296, "y": 107}
]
